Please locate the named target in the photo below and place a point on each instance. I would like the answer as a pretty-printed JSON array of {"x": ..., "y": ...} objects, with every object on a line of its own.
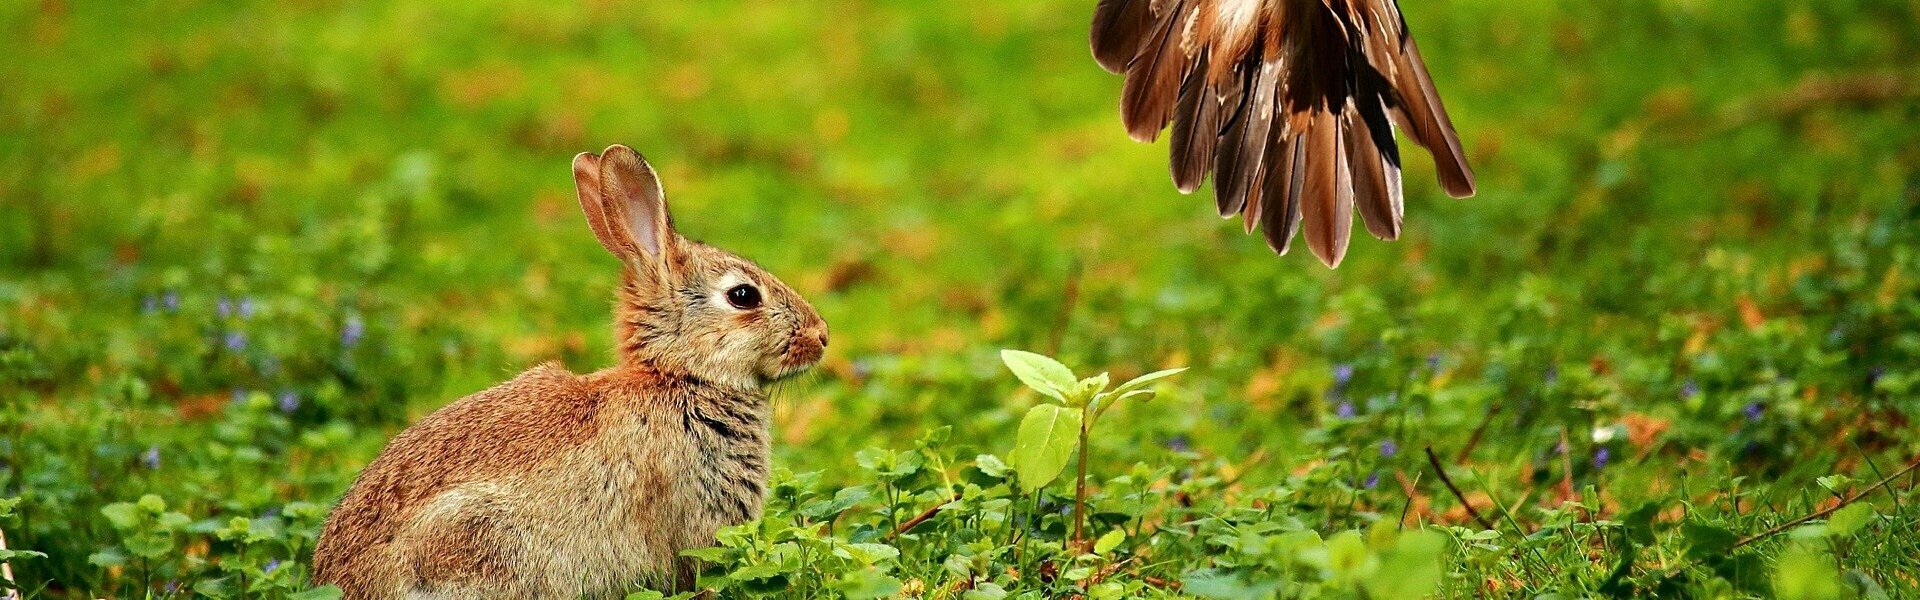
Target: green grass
[{"x": 1696, "y": 250}]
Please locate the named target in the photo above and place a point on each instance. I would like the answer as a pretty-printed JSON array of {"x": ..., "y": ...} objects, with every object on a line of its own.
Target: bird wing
[{"x": 1289, "y": 104}]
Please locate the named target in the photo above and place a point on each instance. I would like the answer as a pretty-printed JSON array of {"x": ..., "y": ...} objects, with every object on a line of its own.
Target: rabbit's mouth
[{"x": 804, "y": 348}]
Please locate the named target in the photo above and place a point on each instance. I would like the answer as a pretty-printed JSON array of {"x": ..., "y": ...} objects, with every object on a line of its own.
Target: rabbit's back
[{"x": 457, "y": 496}]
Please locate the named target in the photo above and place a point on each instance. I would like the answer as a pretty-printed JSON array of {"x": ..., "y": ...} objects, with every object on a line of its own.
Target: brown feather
[
  {"x": 1326, "y": 195},
  {"x": 1244, "y": 147},
  {"x": 1290, "y": 105},
  {"x": 1425, "y": 119},
  {"x": 1283, "y": 193},
  {"x": 1118, "y": 28},
  {"x": 1153, "y": 79},
  {"x": 1377, "y": 203},
  {"x": 1196, "y": 131}
]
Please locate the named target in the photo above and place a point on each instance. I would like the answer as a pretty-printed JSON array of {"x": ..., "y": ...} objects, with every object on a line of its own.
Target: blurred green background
[{"x": 1687, "y": 208}]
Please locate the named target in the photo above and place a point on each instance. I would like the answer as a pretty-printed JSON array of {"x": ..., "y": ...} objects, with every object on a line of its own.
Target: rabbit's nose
[{"x": 817, "y": 335}]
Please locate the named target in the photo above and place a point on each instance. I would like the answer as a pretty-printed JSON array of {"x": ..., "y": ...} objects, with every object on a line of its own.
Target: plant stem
[{"x": 1080, "y": 488}]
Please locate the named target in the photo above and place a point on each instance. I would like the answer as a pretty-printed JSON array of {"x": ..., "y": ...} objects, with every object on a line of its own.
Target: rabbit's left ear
[{"x": 633, "y": 211}]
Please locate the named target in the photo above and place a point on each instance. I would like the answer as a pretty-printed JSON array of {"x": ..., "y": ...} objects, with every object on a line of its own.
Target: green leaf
[
  {"x": 867, "y": 554},
  {"x": 1222, "y": 585},
  {"x": 1348, "y": 558},
  {"x": 1143, "y": 380},
  {"x": 867, "y": 583},
  {"x": 123, "y": 515},
  {"x": 1046, "y": 440},
  {"x": 149, "y": 546},
  {"x": 1849, "y": 519},
  {"x": 153, "y": 504},
  {"x": 1639, "y": 523},
  {"x": 1085, "y": 390},
  {"x": 1803, "y": 573},
  {"x": 108, "y": 557},
  {"x": 1044, "y": 375},
  {"x": 1707, "y": 541},
  {"x": 1412, "y": 568},
  {"x": 1108, "y": 542},
  {"x": 325, "y": 592},
  {"x": 222, "y": 587},
  {"x": 842, "y": 500},
  {"x": 991, "y": 465}
]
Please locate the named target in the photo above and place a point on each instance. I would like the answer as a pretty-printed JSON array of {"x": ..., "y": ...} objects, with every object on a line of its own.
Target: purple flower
[
  {"x": 1344, "y": 410},
  {"x": 151, "y": 458},
  {"x": 224, "y": 307},
  {"x": 1433, "y": 362},
  {"x": 1342, "y": 374},
  {"x": 289, "y": 401},
  {"x": 1178, "y": 443},
  {"x": 352, "y": 330},
  {"x": 247, "y": 308},
  {"x": 1874, "y": 375},
  {"x": 1754, "y": 410},
  {"x": 1689, "y": 389},
  {"x": 1388, "y": 448},
  {"x": 150, "y": 304},
  {"x": 272, "y": 564},
  {"x": 1601, "y": 456},
  {"x": 171, "y": 300},
  {"x": 1552, "y": 375},
  {"x": 239, "y": 396},
  {"x": 1373, "y": 480},
  {"x": 236, "y": 341}
]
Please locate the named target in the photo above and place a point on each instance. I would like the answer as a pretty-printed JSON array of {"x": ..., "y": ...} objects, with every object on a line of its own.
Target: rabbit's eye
[{"x": 744, "y": 296}]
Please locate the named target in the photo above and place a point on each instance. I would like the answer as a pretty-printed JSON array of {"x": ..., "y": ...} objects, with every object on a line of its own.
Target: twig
[
  {"x": 920, "y": 518},
  {"x": 1473, "y": 440},
  {"x": 1775, "y": 530},
  {"x": 1160, "y": 583},
  {"x": 1434, "y": 459}
]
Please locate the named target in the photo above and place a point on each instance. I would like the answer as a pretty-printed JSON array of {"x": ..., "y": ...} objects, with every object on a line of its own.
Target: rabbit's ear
[
  {"x": 634, "y": 210},
  {"x": 586, "y": 183}
]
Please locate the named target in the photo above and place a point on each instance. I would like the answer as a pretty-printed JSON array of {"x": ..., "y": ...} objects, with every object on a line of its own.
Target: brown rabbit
[{"x": 557, "y": 485}]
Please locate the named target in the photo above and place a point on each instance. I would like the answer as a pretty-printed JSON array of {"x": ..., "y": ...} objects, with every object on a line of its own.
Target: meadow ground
[{"x": 242, "y": 243}]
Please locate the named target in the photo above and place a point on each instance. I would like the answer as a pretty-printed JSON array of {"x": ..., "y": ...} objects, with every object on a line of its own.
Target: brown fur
[{"x": 557, "y": 485}]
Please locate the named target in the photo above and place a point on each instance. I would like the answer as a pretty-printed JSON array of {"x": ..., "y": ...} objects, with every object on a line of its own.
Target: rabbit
[{"x": 558, "y": 485}]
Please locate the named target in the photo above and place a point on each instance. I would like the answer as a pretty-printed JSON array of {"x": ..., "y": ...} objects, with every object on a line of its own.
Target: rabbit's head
[{"x": 686, "y": 307}]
